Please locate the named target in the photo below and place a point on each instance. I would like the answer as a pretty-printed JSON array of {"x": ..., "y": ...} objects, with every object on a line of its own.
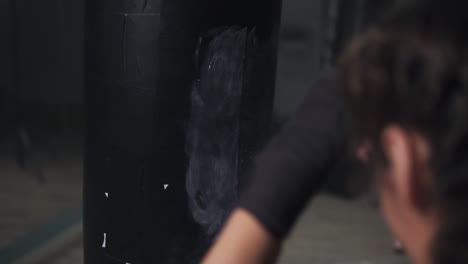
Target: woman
[{"x": 406, "y": 84}]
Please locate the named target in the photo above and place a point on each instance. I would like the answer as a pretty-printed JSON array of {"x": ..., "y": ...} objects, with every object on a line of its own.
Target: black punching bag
[{"x": 179, "y": 96}]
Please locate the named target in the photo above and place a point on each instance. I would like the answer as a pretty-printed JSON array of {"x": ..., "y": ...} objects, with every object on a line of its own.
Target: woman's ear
[
  {"x": 422, "y": 183},
  {"x": 396, "y": 147},
  {"x": 408, "y": 174}
]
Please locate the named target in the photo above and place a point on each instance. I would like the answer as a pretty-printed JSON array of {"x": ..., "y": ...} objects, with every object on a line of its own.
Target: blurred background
[{"x": 41, "y": 131}]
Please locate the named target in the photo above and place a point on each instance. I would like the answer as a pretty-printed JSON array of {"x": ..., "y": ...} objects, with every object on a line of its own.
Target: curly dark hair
[{"x": 411, "y": 69}]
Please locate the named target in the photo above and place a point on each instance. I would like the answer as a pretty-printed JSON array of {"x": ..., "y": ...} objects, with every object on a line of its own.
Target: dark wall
[
  {"x": 51, "y": 46},
  {"x": 5, "y": 48},
  {"x": 313, "y": 31},
  {"x": 49, "y": 37}
]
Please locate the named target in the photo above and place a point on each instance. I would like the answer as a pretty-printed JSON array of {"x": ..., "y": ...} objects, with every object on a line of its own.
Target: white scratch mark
[
  {"x": 104, "y": 243},
  {"x": 165, "y": 186}
]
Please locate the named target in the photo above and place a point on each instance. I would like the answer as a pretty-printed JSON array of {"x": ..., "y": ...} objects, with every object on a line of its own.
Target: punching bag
[{"x": 179, "y": 97}]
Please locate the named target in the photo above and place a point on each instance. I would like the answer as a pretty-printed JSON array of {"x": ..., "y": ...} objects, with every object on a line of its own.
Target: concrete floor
[
  {"x": 26, "y": 204},
  {"x": 320, "y": 237},
  {"x": 335, "y": 231},
  {"x": 331, "y": 230}
]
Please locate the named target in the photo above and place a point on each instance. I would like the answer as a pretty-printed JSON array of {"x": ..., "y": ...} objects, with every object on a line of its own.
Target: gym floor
[{"x": 331, "y": 231}]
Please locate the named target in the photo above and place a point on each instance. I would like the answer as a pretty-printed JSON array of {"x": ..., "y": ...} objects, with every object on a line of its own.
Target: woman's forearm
[{"x": 243, "y": 240}]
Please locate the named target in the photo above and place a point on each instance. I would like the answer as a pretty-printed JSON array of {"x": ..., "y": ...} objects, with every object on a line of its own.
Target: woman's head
[{"x": 406, "y": 83}]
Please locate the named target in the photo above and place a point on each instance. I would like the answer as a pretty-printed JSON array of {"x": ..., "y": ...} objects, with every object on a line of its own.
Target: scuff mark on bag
[{"x": 213, "y": 132}]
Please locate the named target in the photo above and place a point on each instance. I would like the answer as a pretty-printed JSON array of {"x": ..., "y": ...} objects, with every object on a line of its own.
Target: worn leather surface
[{"x": 140, "y": 68}]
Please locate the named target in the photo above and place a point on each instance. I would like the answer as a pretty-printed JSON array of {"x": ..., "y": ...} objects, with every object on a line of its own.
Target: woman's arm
[
  {"x": 243, "y": 240},
  {"x": 292, "y": 168}
]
